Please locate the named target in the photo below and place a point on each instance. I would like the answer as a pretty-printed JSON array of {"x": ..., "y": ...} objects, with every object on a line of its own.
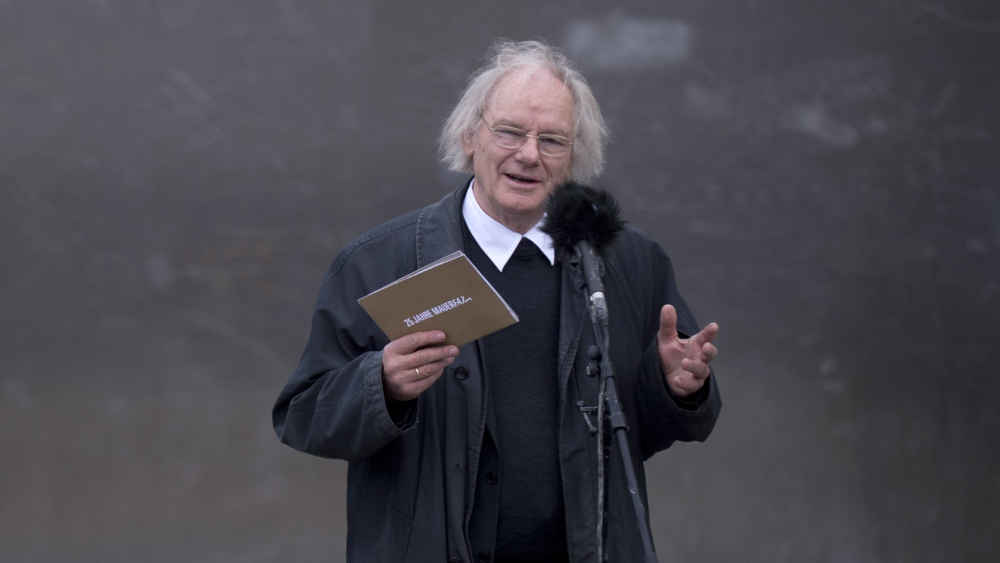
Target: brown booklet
[{"x": 449, "y": 294}]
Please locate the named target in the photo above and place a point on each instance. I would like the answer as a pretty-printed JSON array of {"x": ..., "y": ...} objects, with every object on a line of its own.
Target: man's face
[{"x": 512, "y": 185}]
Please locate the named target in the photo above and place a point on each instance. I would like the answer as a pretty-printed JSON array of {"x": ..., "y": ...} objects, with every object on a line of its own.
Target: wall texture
[{"x": 176, "y": 177}]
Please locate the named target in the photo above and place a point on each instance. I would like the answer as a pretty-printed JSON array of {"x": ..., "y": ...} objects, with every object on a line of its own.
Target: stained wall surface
[{"x": 176, "y": 177}]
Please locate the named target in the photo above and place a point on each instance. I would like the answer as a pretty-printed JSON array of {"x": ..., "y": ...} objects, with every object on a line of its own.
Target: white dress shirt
[{"x": 496, "y": 240}]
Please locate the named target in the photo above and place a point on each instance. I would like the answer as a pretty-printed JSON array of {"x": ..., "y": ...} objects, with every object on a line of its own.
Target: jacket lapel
[
  {"x": 572, "y": 316},
  {"x": 439, "y": 228}
]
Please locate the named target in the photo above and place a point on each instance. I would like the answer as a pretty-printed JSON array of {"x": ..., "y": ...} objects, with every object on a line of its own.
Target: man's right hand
[{"x": 412, "y": 363}]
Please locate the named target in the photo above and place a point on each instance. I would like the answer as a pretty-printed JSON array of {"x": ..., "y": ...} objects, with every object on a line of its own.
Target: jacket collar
[{"x": 439, "y": 227}]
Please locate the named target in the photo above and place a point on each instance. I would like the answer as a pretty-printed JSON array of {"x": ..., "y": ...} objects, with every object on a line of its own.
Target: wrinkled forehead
[{"x": 533, "y": 94}]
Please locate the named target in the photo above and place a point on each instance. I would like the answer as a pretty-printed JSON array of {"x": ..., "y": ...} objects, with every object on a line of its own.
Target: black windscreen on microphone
[
  {"x": 580, "y": 213},
  {"x": 583, "y": 220}
]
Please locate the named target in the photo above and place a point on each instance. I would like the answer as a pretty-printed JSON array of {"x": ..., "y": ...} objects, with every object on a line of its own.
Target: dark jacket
[{"x": 411, "y": 487}]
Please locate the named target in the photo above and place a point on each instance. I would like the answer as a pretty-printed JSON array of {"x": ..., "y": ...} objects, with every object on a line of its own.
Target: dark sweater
[{"x": 521, "y": 363}]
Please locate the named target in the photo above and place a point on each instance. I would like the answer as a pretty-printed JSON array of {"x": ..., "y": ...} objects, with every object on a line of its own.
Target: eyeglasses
[{"x": 512, "y": 138}]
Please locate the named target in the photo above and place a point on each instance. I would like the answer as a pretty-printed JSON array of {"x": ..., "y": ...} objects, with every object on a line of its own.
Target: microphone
[{"x": 582, "y": 220}]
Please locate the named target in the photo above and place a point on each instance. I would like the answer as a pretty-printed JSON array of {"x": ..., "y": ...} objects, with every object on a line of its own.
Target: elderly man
[{"x": 487, "y": 452}]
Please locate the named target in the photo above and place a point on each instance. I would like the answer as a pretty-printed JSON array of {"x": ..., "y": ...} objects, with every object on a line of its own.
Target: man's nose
[{"x": 528, "y": 151}]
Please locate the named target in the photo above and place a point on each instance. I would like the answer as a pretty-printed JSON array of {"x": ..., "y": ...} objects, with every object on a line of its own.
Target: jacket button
[{"x": 461, "y": 373}]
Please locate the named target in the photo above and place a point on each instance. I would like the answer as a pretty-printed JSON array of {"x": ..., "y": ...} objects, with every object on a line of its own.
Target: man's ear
[{"x": 469, "y": 143}]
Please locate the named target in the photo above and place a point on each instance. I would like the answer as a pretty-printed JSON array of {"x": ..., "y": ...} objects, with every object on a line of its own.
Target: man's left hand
[{"x": 685, "y": 361}]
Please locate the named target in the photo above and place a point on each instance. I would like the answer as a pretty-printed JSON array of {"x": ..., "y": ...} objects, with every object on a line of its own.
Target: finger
[
  {"x": 706, "y": 334},
  {"x": 406, "y": 390},
  {"x": 692, "y": 385},
  {"x": 709, "y": 352},
  {"x": 668, "y": 322},
  {"x": 408, "y": 343},
  {"x": 410, "y": 384},
  {"x": 425, "y": 356},
  {"x": 417, "y": 387},
  {"x": 431, "y": 370},
  {"x": 698, "y": 370},
  {"x": 408, "y": 371},
  {"x": 395, "y": 364},
  {"x": 682, "y": 383}
]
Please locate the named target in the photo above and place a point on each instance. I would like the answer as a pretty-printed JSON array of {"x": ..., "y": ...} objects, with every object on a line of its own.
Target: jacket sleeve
[
  {"x": 333, "y": 404},
  {"x": 664, "y": 418}
]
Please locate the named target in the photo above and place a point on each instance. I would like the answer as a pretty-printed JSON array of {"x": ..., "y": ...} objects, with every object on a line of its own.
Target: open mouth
[{"x": 521, "y": 179}]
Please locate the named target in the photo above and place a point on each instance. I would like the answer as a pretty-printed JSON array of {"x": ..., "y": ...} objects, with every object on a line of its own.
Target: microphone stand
[{"x": 598, "y": 308}]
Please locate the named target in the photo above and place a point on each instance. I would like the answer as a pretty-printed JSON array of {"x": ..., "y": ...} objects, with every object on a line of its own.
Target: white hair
[{"x": 590, "y": 131}]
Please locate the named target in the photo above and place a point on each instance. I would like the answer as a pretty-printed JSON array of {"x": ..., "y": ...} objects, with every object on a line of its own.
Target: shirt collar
[{"x": 496, "y": 240}]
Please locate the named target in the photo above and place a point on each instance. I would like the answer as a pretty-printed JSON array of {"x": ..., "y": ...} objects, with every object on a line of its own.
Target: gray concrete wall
[{"x": 176, "y": 177}]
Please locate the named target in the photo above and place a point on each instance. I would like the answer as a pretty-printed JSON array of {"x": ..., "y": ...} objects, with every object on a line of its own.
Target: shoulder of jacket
[
  {"x": 397, "y": 235},
  {"x": 398, "y": 232},
  {"x": 632, "y": 245}
]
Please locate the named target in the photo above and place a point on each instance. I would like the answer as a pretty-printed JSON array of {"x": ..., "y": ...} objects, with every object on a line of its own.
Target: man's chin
[
  {"x": 527, "y": 195},
  {"x": 524, "y": 204}
]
